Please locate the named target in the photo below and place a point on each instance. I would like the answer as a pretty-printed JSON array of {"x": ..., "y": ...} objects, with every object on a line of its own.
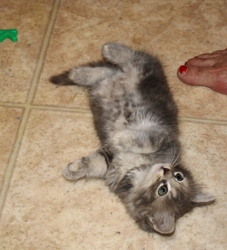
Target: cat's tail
[{"x": 62, "y": 79}]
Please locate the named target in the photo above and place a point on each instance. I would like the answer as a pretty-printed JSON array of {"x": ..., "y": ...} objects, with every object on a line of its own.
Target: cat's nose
[{"x": 165, "y": 170}]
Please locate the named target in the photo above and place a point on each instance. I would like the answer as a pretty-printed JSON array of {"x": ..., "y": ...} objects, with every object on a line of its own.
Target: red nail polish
[{"x": 183, "y": 69}]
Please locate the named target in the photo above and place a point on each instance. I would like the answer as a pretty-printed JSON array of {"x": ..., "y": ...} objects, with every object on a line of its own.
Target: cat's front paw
[{"x": 73, "y": 172}]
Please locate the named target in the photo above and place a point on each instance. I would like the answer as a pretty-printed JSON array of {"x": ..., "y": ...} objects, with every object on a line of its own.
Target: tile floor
[{"x": 44, "y": 127}]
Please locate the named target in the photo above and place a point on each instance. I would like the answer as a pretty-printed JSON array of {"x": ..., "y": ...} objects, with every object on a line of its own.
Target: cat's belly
[{"x": 124, "y": 138}]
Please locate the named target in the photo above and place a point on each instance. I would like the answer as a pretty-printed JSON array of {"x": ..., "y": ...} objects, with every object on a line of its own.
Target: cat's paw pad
[
  {"x": 85, "y": 161},
  {"x": 80, "y": 75},
  {"x": 116, "y": 53},
  {"x": 72, "y": 172}
]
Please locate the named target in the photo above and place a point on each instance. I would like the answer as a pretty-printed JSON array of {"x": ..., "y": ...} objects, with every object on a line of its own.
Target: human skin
[{"x": 209, "y": 70}]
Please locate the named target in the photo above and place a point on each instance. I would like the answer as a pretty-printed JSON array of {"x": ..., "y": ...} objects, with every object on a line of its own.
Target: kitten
[{"x": 136, "y": 120}]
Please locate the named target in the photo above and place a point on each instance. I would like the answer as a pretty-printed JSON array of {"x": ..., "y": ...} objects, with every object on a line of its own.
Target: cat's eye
[
  {"x": 178, "y": 176},
  {"x": 162, "y": 190}
]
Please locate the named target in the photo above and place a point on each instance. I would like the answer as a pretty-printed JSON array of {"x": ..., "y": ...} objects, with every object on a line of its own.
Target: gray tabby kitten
[{"x": 136, "y": 120}]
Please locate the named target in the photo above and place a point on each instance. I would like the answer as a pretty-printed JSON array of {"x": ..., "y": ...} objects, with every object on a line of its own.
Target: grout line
[
  {"x": 27, "y": 106},
  {"x": 43, "y": 52},
  {"x": 66, "y": 109},
  {"x": 13, "y": 105},
  {"x": 10, "y": 167},
  {"x": 47, "y": 107},
  {"x": 88, "y": 111},
  {"x": 203, "y": 120}
]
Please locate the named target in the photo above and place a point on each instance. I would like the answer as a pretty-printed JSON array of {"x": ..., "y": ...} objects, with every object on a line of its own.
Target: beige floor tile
[
  {"x": 174, "y": 31},
  {"x": 9, "y": 123},
  {"x": 204, "y": 151},
  {"x": 195, "y": 28},
  {"x": 18, "y": 60},
  {"x": 43, "y": 211},
  {"x": 80, "y": 31}
]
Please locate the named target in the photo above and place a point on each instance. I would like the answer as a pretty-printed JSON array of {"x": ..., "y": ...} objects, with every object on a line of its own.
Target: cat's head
[{"x": 156, "y": 196}]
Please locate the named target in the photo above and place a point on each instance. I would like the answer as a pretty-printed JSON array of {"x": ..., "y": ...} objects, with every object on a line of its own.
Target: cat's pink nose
[{"x": 166, "y": 170}]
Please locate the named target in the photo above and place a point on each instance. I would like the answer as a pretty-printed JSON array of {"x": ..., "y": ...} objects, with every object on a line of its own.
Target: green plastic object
[{"x": 11, "y": 34}]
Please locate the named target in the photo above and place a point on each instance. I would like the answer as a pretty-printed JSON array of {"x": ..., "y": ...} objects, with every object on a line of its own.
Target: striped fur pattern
[{"x": 135, "y": 117}]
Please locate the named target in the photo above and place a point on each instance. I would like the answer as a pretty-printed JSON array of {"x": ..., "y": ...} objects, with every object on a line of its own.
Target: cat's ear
[
  {"x": 202, "y": 198},
  {"x": 163, "y": 223}
]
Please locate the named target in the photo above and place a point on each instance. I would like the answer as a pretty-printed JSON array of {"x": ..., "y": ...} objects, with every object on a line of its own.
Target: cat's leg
[
  {"x": 88, "y": 76},
  {"x": 93, "y": 166},
  {"x": 138, "y": 63},
  {"x": 117, "y": 53}
]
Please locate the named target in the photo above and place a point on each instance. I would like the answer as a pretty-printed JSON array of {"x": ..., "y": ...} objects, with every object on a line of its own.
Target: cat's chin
[{"x": 162, "y": 228}]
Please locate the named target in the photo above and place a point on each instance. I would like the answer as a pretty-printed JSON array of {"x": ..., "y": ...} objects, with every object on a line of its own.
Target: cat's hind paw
[
  {"x": 117, "y": 53},
  {"x": 80, "y": 75},
  {"x": 71, "y": 173},
  {"x": 88, "y": 76}
]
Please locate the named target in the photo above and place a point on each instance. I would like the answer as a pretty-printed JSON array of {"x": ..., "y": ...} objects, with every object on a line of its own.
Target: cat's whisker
[
  {"x": 174, "y": 163},
  {"x": 172, "y": 151},
  {"x": 170, "y": 156},
  {"x": 178, "y": 162}
]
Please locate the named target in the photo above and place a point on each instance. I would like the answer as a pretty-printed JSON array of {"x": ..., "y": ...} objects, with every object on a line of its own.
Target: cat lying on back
[{"x": 136, "y": 120}]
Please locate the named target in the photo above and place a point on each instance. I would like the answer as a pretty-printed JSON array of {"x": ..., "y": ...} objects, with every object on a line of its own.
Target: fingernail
[{"x": 183, "y": 69}]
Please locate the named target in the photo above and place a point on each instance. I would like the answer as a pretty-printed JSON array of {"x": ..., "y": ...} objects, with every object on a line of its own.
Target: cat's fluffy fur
[{"x": 136, "y": 120}]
